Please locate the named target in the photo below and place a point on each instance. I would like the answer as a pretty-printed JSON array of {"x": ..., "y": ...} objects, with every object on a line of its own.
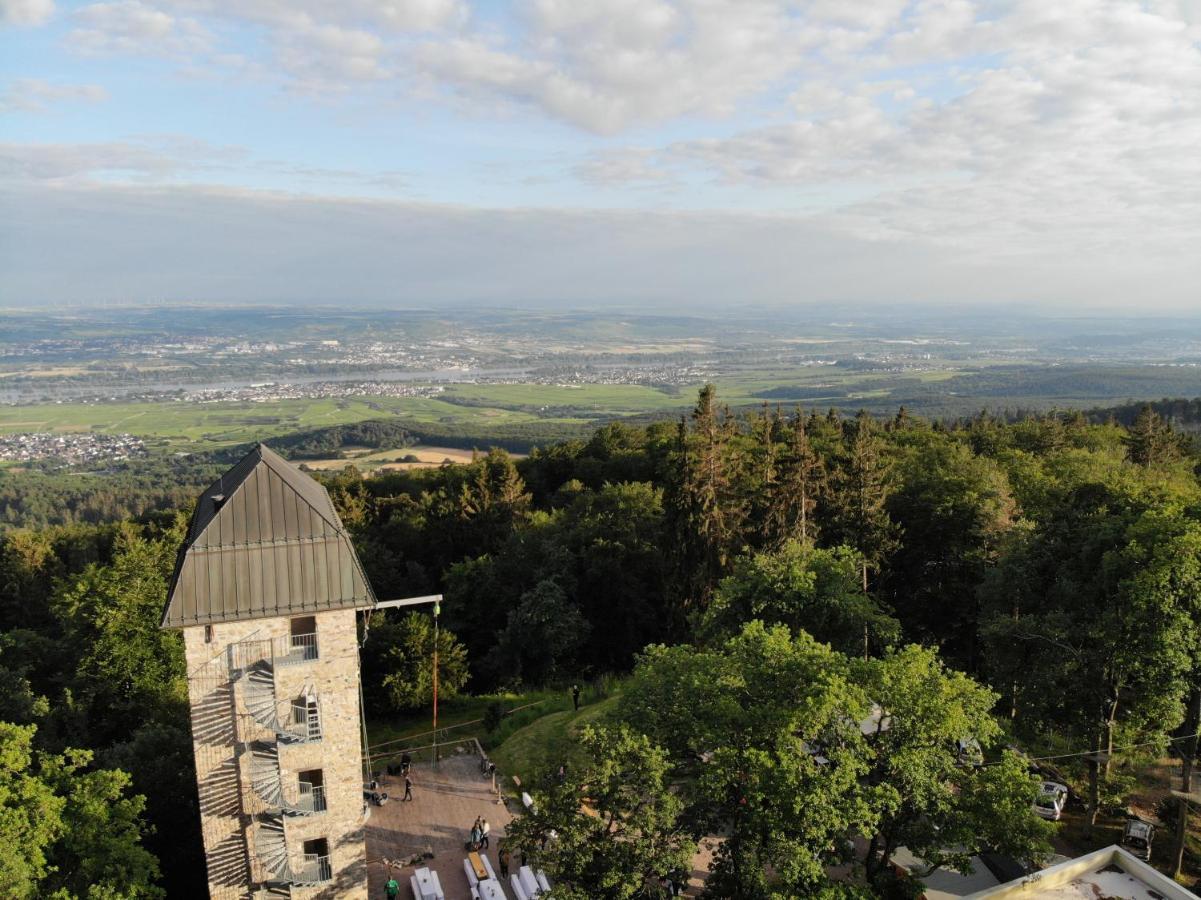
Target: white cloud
[
  {"x": 147, "y": 159},
  {"x": 626, "y": 166},
  {"x": 1076, "y": 127},
  {"x": 169, "y": 159},
  {"x": 391, "y": 15},
  {"x": 610, "y": 64},
  {"x": 26, "y": 12},
  {"x": 997, "y": 129},
  {"x": 37, "y": 95},
  {"x": 133, "y": 27}
]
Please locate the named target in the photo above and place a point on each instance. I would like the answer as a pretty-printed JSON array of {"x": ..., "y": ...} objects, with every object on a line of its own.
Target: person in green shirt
[{"x": 392, "y": 888}]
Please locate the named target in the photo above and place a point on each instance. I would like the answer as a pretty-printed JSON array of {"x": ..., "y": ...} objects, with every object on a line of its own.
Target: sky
[{"x": 634, "y": 153}]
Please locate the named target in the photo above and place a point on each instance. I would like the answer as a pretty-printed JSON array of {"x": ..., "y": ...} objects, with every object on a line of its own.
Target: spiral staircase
[{"x": 297, "y": 722}]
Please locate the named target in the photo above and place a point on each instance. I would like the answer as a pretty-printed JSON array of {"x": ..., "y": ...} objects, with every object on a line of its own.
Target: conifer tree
[
  {"x": 800, "y": 481},
  {"x": 859, "y": 491},
  {"x": 1150, "y": 440},
  {"x": 708, "y": 512},
  {"x": 761, "y": 484}
]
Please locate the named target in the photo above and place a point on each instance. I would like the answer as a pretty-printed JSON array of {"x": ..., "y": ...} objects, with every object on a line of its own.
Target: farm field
[
  {"x": 192, "y": 426},
  {"x": 956, "y": 389},
  {"x": 367, "y": 460}
]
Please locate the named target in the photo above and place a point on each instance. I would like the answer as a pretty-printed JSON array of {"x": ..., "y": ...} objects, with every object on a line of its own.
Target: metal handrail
[
  {"x": 312, "y": 797},
  {"x": 306, "y": 721},
  {"x": 317, "y": 869},
  {"x": 297, "y": 648}
]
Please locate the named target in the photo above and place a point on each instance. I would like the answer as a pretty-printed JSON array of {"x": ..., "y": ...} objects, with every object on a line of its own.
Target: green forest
[{"x": 757, "y": 583}]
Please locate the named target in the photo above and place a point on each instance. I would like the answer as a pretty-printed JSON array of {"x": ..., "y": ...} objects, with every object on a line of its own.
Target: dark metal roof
[{"x": 264, "y": 541}]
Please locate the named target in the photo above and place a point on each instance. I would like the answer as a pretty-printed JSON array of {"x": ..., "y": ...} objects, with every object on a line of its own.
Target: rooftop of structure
[
  {"x": 265, "y": 541},
  {"x": 1111, "y": 873}
]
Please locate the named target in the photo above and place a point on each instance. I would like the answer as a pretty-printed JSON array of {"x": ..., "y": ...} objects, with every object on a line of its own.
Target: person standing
[
  {"x": 392, "y": 888},
  {"x": 503, "y": 859},
  {"x": 408, "y": 788},
  {"x": 484, "y": 829},
  {"x": 575, "y": 696}
]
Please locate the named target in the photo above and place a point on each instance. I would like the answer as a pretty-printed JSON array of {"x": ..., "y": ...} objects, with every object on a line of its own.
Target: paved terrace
[{"x": 446, "y": 801}]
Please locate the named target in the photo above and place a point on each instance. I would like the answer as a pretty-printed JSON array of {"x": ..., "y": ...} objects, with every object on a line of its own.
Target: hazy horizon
[{"x": 658, "y": 155}]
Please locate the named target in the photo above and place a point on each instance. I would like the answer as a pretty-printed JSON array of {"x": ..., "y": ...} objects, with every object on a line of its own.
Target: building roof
[
  {"x": 1111, "y": 873},
  {"x": 265, "y": 541}
]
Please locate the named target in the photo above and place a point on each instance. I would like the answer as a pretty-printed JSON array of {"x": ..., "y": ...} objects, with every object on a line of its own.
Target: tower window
[{"x": 304, "y": 637}]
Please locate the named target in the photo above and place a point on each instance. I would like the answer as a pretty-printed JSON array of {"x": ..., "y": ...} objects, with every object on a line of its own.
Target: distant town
[{"x": 70, "y": 449}]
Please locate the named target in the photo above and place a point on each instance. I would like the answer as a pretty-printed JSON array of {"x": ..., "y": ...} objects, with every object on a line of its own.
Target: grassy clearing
[
  {"x": 535, "y": 736},
  {"x": 543, "y": 745},
  {"x": 463, "y": 718}
]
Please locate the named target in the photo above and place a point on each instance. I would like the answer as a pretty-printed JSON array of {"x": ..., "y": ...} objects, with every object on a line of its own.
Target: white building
[{"x": 1110, "y": 873}]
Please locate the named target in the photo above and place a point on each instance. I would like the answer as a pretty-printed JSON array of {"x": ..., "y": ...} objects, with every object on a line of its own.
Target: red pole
[{"x": 436, "y": 610}]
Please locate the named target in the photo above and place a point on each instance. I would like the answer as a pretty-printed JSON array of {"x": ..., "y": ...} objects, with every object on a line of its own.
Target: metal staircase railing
[
  {"x": 271, "y": 843},
  {"x": 267, "y": 779},
  {"x": 301, "y": 724},
  {"x": 312, "y": 798},
  {"x": 317, "y": 870},
  {"x": 271, "y": 846},
  {"x": 296, "y": 648}
]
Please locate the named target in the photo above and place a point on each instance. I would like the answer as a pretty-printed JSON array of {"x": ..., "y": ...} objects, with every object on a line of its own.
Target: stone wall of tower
[
  {"x": 335, "y": 676},
  {"x": 221, "y": 728}
]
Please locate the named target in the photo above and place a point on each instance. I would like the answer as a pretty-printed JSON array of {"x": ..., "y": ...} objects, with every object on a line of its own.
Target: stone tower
[{"x": 266, "y": 590}]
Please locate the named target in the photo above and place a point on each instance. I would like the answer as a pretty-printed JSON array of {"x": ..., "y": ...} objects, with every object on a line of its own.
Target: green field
[
  {"x": 208, "y": 425},
  {"x": 948, "y": 389}
]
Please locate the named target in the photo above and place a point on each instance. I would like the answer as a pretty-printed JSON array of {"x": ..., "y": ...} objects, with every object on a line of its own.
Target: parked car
[
  {"x": 1052, "y": 797},
  {"x": 1136, "y": 839}
]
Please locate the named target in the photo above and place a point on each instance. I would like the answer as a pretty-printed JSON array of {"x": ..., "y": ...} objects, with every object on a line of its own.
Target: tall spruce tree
[
  {"x": 707, "y": 509},
  {"x": 799, "y": 482},
  {"x": 859, "y": 491},
  {"x": 1150, "y": 440},
  {"x": 761, "y": 482}
]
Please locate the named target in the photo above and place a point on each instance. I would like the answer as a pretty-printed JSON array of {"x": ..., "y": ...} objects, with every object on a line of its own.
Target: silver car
[
  {"x": 1051, "y": 799},
  {"x": 1136, "y": 839}
]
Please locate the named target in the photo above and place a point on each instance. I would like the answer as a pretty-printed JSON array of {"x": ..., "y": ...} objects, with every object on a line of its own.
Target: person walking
[
  {"x": 503, "y": 859},
  {"x": 408, "y": 788},
  {"x": 575, "y": 696},
  {"x": 484, "y": 829},
  {"x": 392, "y": 888}
]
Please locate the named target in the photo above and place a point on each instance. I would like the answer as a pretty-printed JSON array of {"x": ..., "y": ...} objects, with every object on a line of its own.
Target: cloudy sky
[{"x": 659, "y": 152}]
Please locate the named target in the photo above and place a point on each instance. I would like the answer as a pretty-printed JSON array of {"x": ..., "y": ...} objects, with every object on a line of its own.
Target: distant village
[{"x": 70, "y": 448}]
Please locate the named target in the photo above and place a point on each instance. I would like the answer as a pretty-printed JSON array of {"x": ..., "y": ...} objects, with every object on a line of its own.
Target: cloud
[
  {"x": 26, "y": 12},
  {"x": 389, "y": 15},
  {"x": 630, "y": 165},
  {"x": 1050, "y": 137},
  {"x": 140, "y": 160},
  {"x": 169, "y": 159},
  {"x": 611, "y": 64},
  {"x": 170, "y": 243},
  {"x": 133, "y": 27},
  {"x": 37, "y": 95}
]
